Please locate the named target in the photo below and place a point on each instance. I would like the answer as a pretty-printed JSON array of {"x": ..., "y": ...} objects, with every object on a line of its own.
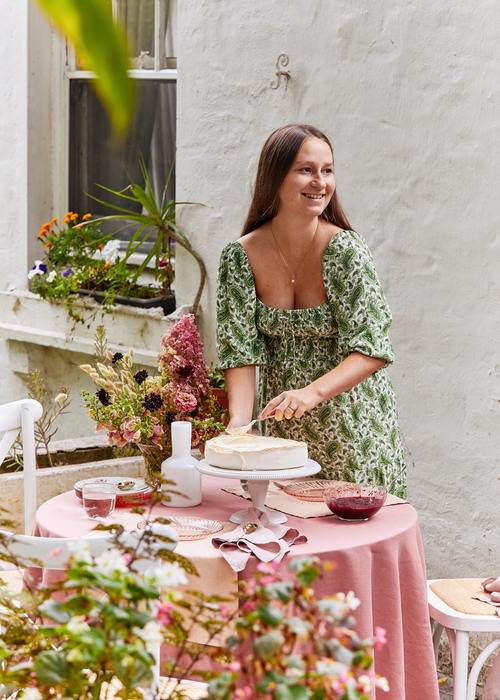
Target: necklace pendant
[{"x": 293, "y": 280}]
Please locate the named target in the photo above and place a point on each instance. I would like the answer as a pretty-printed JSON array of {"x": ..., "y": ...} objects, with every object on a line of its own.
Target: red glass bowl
[{"x": 355, "y": 502}]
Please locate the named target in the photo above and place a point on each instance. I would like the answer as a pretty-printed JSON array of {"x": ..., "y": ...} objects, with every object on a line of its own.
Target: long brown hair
[{"x": 276, "y": 159}]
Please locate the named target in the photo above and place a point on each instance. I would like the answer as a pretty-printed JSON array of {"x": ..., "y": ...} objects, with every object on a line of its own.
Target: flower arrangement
[
  {"x": 139, "y": 408},
  {"x": 283, "y": 643},
  {"x": 79, "y": 257}
]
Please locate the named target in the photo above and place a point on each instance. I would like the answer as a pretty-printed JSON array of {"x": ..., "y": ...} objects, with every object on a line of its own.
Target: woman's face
[{"x": 309, "y": 184}]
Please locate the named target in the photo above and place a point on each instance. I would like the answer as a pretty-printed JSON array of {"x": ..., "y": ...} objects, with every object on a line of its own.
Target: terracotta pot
[{"x": 221, "y": 396}]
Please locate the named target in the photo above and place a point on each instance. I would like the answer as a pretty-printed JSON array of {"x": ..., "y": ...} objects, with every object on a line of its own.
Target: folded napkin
[
  {"x": 491, "y": 588},
  {"x": 256, "y": 535}
]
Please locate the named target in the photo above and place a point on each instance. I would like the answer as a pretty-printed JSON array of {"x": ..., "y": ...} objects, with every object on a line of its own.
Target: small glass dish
[
  {"x": 311, "y": 491},
  {"x": 194, "y": 528},
  {"x": 355, "y": 502}
]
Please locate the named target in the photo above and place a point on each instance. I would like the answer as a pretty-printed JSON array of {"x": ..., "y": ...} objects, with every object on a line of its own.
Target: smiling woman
[{"x": 298, "y": 295}]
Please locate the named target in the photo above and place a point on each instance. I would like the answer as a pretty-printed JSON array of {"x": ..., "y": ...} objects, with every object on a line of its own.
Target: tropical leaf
[{"x": 102, "y": 44}]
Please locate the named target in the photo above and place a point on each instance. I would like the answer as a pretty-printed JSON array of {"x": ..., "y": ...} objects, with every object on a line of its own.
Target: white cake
[{"x": 255, "y": 453}]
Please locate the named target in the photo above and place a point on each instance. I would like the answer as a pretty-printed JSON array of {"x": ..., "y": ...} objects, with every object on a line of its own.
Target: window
[{"x": 94, "y": 159}]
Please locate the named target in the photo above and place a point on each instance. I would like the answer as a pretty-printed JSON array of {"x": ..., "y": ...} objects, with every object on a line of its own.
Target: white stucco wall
[{"x": 408, "y": 93}]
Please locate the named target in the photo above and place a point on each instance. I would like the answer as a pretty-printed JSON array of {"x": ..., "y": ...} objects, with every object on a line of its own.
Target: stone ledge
[{"x": 28, "y": 318}]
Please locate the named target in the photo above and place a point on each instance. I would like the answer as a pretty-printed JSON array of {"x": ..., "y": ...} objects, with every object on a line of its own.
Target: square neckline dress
[{"x": 355, "y": 435}]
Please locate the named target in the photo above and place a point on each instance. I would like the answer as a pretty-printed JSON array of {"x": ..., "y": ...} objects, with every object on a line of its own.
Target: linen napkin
[
  {"x": 491, "y": 588},
  {"x": 256, "y": 535}
]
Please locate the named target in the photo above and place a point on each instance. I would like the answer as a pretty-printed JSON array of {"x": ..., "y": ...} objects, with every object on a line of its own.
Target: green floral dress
[{"x": 354, "y": 436}]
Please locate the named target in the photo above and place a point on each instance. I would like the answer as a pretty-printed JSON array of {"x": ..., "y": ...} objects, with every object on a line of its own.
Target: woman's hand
[{"x": 292, "y": 404}]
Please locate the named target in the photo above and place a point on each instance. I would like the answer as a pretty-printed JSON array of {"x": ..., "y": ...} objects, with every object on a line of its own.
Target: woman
[{"x": 298, "y": 296}]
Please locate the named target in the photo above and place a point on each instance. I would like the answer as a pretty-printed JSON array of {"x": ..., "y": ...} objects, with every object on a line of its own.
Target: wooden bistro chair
[
  {"x": 16, "y": 417},
  {"x": 481, "y": 618}
]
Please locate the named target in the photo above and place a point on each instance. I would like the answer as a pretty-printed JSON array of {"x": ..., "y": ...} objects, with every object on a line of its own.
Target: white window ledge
[{"x": 27, "y": 318}]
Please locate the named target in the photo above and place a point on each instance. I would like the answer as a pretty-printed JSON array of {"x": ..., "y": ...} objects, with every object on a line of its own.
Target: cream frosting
[{"x": 255, "y": 452}]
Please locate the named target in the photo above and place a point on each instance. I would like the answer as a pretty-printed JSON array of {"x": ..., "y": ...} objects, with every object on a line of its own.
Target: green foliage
[
  {"x": 79, "y": 257},
  {"x": 102, "y": 47}
]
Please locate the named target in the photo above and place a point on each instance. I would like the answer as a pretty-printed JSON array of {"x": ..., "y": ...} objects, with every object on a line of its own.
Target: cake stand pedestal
[{"x": 258, "y": 483}]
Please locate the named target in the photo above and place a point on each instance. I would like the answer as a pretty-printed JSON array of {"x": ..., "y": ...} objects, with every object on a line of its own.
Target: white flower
[
  {"x": 60, "y": 398},
  {"x": 51, "y": 276},
  {"x": 170, "y": 574},
  {"x": 77, "y": 625},
  {"x": 31, "y": 694},
  {"x": 37, "y": 269},
  {"x": 150, "y": 634},
  {"x": 351, "y": 601},
  {"x": 382, "y": 683},
  {"x": 110, "y": 251},
  {"x": 80, "y": 550},
  {"x": 110, "y": 561}
]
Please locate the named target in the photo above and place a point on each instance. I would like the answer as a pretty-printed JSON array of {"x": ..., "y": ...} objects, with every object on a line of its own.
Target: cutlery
[{"x": 245, "y": 428}]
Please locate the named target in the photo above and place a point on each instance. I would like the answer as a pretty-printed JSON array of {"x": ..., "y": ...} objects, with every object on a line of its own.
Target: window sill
[{"x": 27, "y": 318}]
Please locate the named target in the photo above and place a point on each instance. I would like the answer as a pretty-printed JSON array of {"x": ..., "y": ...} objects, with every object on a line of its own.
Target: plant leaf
[{"x": 102, "y": 44}]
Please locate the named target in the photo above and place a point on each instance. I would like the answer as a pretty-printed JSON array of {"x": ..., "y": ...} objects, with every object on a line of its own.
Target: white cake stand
[{"x": 258, "y": 483}]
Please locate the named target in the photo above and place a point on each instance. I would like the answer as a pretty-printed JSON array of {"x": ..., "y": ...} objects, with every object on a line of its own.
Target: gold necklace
[{"x": 306, "y": 253}]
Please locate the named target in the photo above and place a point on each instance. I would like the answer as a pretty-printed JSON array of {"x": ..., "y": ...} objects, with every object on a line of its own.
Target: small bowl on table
[{"x": 355, "y": 503}]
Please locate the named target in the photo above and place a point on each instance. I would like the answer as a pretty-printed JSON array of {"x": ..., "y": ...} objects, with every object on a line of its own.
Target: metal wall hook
[{"x": 283, "y": 60}]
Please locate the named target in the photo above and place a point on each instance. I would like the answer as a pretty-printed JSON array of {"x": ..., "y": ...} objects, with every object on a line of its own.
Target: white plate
[{"x": 311, "y": 467}]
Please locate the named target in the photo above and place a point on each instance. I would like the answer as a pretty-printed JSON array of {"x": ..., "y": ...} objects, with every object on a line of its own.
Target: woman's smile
[{"x": 310, "y": 178}]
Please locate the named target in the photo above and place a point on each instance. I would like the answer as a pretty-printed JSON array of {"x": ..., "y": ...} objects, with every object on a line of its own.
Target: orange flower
[
  {"x": 74, "y": 217},
  {"x": 54, "y": 220},
  {"x": 87, "y": 217},
  {"x": 107, "y": 264},
  {"x": 48, "y": 244},
  {"x": 42, "y": 233},
  {"x": 79, "y": 226},
  {"x": 100, "y": 246}
]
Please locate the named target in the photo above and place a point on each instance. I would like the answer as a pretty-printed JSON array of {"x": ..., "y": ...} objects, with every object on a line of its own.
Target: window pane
[
  {"x": 138, "y": 17},
  {"x": 96, "y": 160}
]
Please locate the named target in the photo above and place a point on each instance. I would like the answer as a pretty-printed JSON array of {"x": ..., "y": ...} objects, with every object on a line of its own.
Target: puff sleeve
[
  {"x": 356, "y": 299},
  {"x": 239, "y": 343}
]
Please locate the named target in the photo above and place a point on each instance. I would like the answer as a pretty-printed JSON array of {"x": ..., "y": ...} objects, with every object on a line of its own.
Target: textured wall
[{"x": 409, "y": 95}]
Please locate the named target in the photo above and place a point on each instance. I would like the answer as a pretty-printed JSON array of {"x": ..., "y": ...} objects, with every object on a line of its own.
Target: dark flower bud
[
  {"x": 103, "y": 397},
  {"x": 117, "y": 356},
  {"x": 141, "y": 376},
  {"x": 153, "y": 403},
  {"x": 169, "y": 418}
]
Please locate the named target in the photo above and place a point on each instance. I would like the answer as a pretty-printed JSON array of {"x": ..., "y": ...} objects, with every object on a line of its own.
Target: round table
[{"x": 381, "y": 560}]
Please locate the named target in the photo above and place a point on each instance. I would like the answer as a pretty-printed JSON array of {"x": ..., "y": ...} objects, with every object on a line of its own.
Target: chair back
[{"x": 16, "y": 417}]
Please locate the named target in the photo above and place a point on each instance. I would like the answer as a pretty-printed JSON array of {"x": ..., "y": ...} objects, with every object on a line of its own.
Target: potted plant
[
  {"x": 134, "y": 407},
  {"x": 79, "y": 259},
  {"x": 218, "y": 384},
  {"x": 155, "y": 219}
]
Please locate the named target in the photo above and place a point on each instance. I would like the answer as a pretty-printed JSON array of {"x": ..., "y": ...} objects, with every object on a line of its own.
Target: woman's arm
[
  {"x": 349, "y": 373},
  {"x": 240, "y": 382}
]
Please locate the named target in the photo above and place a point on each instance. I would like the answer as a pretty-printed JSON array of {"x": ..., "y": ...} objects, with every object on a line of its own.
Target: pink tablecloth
[{"x": 381, "y": 560}]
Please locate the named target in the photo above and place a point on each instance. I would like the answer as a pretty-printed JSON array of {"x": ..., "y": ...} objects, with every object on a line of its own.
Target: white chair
[
  {"x": 458, "y": 626},
  {"x": 16, "y": 417}
]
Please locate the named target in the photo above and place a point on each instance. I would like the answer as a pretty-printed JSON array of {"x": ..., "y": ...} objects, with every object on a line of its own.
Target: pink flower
[
  {"x": 249, "y": 606},
  {"x": 224, "y": 612},
  {"x": 244, "y": 692},
  {"x": 127, "y": 557},
  {"x": 182, "y": 360},
  {"x": 116, "y": 438},
  {"x": 268, "y": 567},
  {"x": 185, "y": 402},
  {"x": 164, "y": 614},
  {"x": 54, "y": 552},
  {"x": 265, "y": 580},
  {"x": 130, "y": 429},
  {"x": 379, "y": 639},
  {"x": 234, "y": 666}
]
